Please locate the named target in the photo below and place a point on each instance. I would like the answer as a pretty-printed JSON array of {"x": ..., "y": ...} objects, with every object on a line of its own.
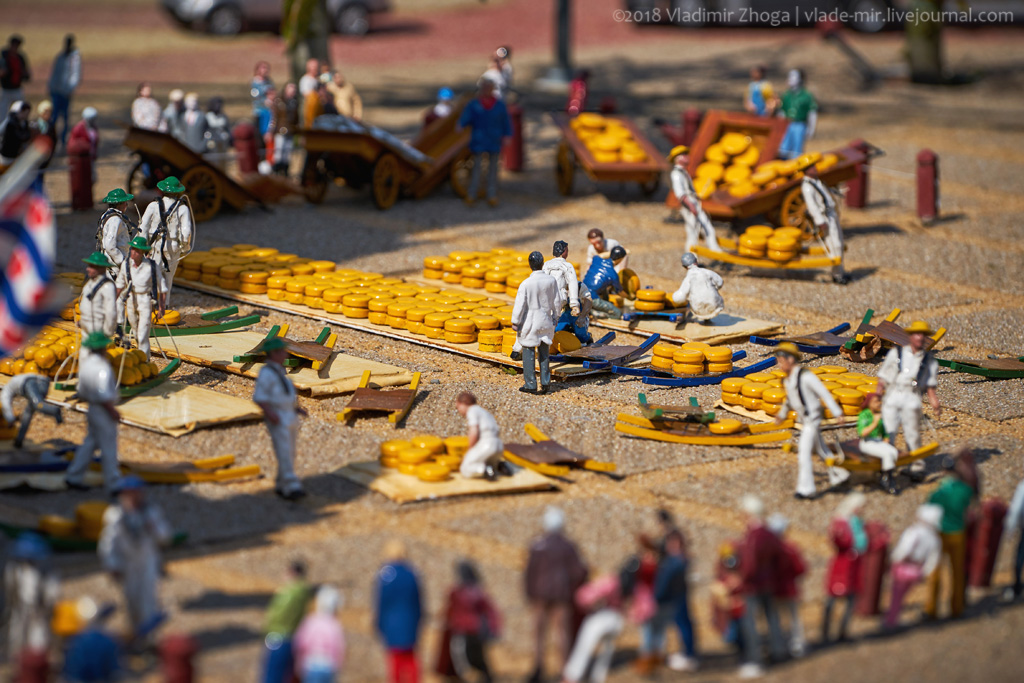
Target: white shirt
[
  {"x": 179, "y": 225},
  {"x": 682, "y": 186},
  {"x": 905, "y": 379},
  {"x": 700, "y": 289},
  {"x": 920, "y": 544},
  {"x": 308, "y": 84},
  {"x": 16, "y": 387},
  {"x": 485, "y": 423},
  {"x": 122, "y": 548},
  {"x": 141, "y": 277},
  {"x": 275, "y": 389},
  {"x": 565, "y": 276},
  {"x": 97, "y": 381},
  {"x": 497, "y": 77},
  {"x": 609, "y": 244},
  {"x": 820, "y": 203},
  {"x": 812, "y": 388},
  {"x": 114, "y": 236},
  {"x": 537, "y": 307},
  {"x": 99, "y": 306}
]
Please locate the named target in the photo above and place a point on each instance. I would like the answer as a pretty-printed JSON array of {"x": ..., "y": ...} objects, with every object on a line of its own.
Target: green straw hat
[
  {"x": 170, "y": 185},
  {"x": 98, "y": 259},
  {"x": 139, "y": 242},
  {"x": 117, "y": 196}
]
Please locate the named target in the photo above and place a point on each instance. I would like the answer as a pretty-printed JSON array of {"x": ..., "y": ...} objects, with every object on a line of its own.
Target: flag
[{"x": 29, "y": 294}]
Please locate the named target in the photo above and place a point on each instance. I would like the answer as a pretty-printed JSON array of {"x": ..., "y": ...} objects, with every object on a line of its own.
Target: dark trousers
[
  {"x": 530, "y": 357},
  {"x": 35, "y": 391},
  {"x": 1018, "y": 566},
  {"x": 685, "y": 626},
  {"x": 847, "y": 615},
  {"x": 468, "y": 655},
  {"x": 61, "y": 105}
]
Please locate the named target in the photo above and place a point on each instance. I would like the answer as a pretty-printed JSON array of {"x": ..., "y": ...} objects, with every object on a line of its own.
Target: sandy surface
[{"x": 963, "y": 273}]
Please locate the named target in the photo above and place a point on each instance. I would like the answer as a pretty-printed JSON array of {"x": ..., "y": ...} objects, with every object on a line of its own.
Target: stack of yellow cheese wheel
[
  {"x": 745, "y": 179},
  {"x": 777, "y": 244},
  {"x": 607, "y": 139},
  {"x": 89, "y": 519},
  {"x": 648, "y": 300},
  {"x": 55, "y": 525},
  {"x": 132, "y": 365},
  {"x": 727, "y": 164},
  {"x": 692, "y": 358},
  {"x": 765, "y": 391},
  {"x": 508, "y": 341},
  {"x": 498, "y": 271},
  {"x": 74, "y": 282},
  {"x": 426, "y": 456},
  {"x": 7, "y": 430},
  {"x": 44, "y": 355}
]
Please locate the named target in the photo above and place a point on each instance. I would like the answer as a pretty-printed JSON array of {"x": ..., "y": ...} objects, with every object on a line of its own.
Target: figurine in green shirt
[
  {"x": 286, "y": 610},
  {"x": 955, "y": 494},
  {"x": 873, "y": 441},
  {"x": 800, "y": 107}
]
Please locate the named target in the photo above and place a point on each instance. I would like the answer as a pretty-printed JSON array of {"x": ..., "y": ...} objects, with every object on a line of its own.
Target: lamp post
[{"x": 558, "y": 76}]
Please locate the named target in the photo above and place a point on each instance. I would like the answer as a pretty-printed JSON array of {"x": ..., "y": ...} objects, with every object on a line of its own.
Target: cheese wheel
[
  {"x": 473, "y": 282},
  {"x": 495, "y": 287},
  {"x": 763, "y": 176},
  {"x": 830, "y": 377},
  {"x": 485, "y": 322},
  {"x": 450, "y": 461},
  {"x": 57, "y": 526},
  {"x": 490, "y": 337},
  {"x": 688, "y": 368},
  {"x": 489, "y": 348},
  {"x": 398, "y": 310},
  {"x": 850, "y": 382},
  {"x": 770, "y": 408},
  {"x": 258, "y": 277},
  {"x": 864, "y": 388},
  {"x": 252, "y": 288},
  {"x": 229, "y": 283},
  {"x": 434, "y": 262},
  {"x": 395, "y": 322},
  {"x": 782, "y": 243},
  {"x": 189, "y": 274},
  {"x": 354, "y": 312},
  {"x": 452, "y": 278},
  {"x": 726, "y": 426},
  {"x": 393, "y": 447},
  {"x": 711, "y": 170},
  {"x": 432, "y": 472},
  {"x": 565, "y": 341},
  {"x": 301, "y": 268},
  {"x": 777, "y": 383},
  {"x": 456, "y": 445},
  {"x": 496, "y": 275},
  {"x": 716, "y": 153},
  {"x": 277, "y": 294},
  {"x": 655, "y": 295},
  {"x": 297, "y": 284},
  {"x": 850, "y": 410},
  {"x": 664, "y": 350},
  {"x": 332, "y": 306},
  {"x": 432, "y": 332},
  {"x": 390, "y": 463},
  {"x": 732, "y": 398},
  {"x": 213, "y": 266},
  {"x": 796, "y": 234},
  {"x": 736, "y": 173},
  {"x": 432, "y": 274},
  {"x": 830, "y": 385},
  {"x": 313, "y": 302},
  {"x": 753, "y": 389},
  {"x": 688, "y": 356},
  {"x": 833, "y": 369},
  {"x": 701, "y": 346},
  {"x": 648, "y": 306},
  {"x": 380, "y": 305},
  {"x": 231, "y": 271},
  {"x": 719, "y": 367},
  {"x": 718, "y": 354},
  {"x": 378, "y": 318},
  {"x": 755, "y": 241},
  {"x": 457, "y": 325},
  {"x": 661, "y": 363},
  {"x": 780, "y": 256},
  {"x": 432, "y": 443},
  {"x": 732, "y": 384},
  {"x": 418, "y": 314},
  {"x": 323, "y": 266},
  {"x": 462, "y": 315},
  {"x": 411, "y": 455},
  {"x": 89, "y": 518},
  {"x": 850, "y": 397},
  {"x": 459, "y": 338},
  {"x": 277, "y": 281},
  {"x": 773, "y": 395}
]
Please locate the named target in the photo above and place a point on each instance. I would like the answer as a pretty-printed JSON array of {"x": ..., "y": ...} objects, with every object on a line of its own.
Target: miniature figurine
[
  {"x": 140, "y": 283},
  {"x": 799, "y": 106},
  {"x": 487, "y": 117},
  {"x": 908, "y": 373},
  {"x": 787, "y": 595},
  {"x": 602, "y": 599},
  {"x": 554, "y": 572},
  {"x": 33, "y": 388},
  {"x": 284, "y": 614},
  {"x": 760, "y": 98},
  {"x": 114, "y": 229},
  {"x": 31, "y": 589},
  {"x": 805, "y": 394},
  {"x": 697, "y": 222},
  {"x": 914, "y": 558},
  {"x": 699, "y": 290},
  {"x": 533, "y": 318},
  {"x": 955, "y": 495},
  {"x": 275, "y": 395},
  {"x": 1014, "y": 522},
  {"x": 319, "y": 642},
  {"x": 821, "y": 206},
  {"x": 727, "y": 598},
  {"x": 672, "y": 595},
  {"x": 601, "y": 245},
  {"x": 97, "y": 385},
  {"x": 169, "y": 226},
  {"x": 98, "y": 303},
  {"x": 602, "y": 279},
  {"x": 576, "y": 301},
  {"x": 760, "y": 561},
  {"x": 92, "y": 654},
  {"x": 470, "y": 621},
  {"x": 483, "y": 459},
  {"x": 442, "y": 107},
  {"x": 133, "y": 532},
  {"x": 873, "y": 442},
  {"x": 844, "y": 572},
  {"x": 399, "y": 612}
]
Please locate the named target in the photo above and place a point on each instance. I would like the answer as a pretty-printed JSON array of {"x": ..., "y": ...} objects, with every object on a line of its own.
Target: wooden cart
[
  {"x": 573, "y": 153},
  {"x": 341, "y": 148},
  {"x": 782, "y": 205},
  {"x": 161, "y": 155}
]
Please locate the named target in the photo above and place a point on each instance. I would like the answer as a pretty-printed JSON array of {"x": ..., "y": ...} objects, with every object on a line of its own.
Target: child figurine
[{"x": 873, "y": 439}]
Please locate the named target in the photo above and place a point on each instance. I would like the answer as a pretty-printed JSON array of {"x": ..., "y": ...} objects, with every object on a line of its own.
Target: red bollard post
[
  {"x": 927, "y": 186},
  {"x": 984, "y": 532},
  {"x": 513, "y": 152},
  {"x": 33, "y": 667},
  {"x": 80, "y": 174},
  {"x": 176, "y": 653},
  {"x": 857, "y": 186},
  {"x": 872, "y": 568},
  {"x": 246, "y": 148},
  {"x": 609, "y": 105},
  {"x": 577, "y": 96},
  {"x": 691, "y": 122}
]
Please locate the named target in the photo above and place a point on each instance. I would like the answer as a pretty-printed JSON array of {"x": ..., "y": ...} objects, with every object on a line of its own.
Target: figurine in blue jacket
[
  {"x": 602, "y": 279},
  {"x": 488, "y": 119},
  {"x": 399, "y": 611}
]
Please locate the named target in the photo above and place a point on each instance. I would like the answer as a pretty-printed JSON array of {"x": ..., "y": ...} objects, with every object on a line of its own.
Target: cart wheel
[
  {"x": 315, "y": 180},
  {"x": 459, "y": 176},
  {"x": 793, "y": 213},
  {"x": 651, "y": 186},
  {"x": 204, "y": 192},
  {"x": 139, "y": 180},
  {"x": 385, "y": 181},
  {"x": 565, "y": 169}
]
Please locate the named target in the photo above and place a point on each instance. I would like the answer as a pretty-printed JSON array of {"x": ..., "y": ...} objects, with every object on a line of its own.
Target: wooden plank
[
  {"x": 724, "y": 328},
  {"x": 402, "y": 488}
]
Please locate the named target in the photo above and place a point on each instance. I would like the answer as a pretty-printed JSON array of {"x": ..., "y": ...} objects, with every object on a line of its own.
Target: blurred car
[{"x": 229, "y": 17}]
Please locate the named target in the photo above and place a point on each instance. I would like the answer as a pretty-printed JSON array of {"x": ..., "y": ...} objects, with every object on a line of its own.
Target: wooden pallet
[
  {"x": 395, "y": 402},
  {"x": 825, "y": 343},
  {"x": 802, "y": 263},
  {"x": 317, "y": 351},
  {"x": 698, "y": 381},
  {"x": 211, "y": 322},
  {"x": 724, "y": 328},
  {"x": 551, "y": 458}
]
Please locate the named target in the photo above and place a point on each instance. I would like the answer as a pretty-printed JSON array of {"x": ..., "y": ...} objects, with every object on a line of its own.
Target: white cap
[
  {"x": 176, "y": 95},
  {"x": 794, "y": 79},
  {"x": 89, "y": 113},
  {"x": 554, "y": 519},
  {"x": 853, "y": 502},
  {"x": 752, "y": 505},
  {"x": 777, "y": 523},
  {"x": 328, "y": 599},
  {"x": 930, "y": 515}
]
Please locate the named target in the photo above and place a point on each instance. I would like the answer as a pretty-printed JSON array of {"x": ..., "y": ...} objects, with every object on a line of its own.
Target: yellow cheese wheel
[
  {"x": 718, "y": 354},
  {"x": 749, "y": 157},
  {"x": 850, "y": 410},
  {"x": 377, "y": 318},
  {"x": 705, "y": 187},
  {"x": 301, "y": 268},
  {"x": 433, "y": 274},
  {"x": 432, "y": 443},
  {"x": 418, "y": 314},
  {"x": 334, "y": 294},
  {"x": 231, "y": 284},
  {"x": 760, "y": 376},
  {"x": 711, "y": 170},
  {"x": 490, "y": 337},
  {"x": 459, "y": 337},
  {"x": 863, "y": 388},
  {"x": 762, "y": 177},
  {"x": 354, "y": 312},
  {"x": 751, "y": 403},
  {"x": 661, "y": 363},
  {"x": 655, "y": 295},
  {"x": 732, "y": 384},
  {"x": 55, "y": 525},
  {"x": 743, "y": 188},
  {"x": 850, "y": 397},
  {"x": 489, "y": 348},
  {"x": 734, "y": 143},
  {"x": 457, "y": 325},
  {"x": 456, "y": 445},
  {"x": 732, "y": 398},
  {"x": 212, "y": 266},
  {"x": 449, "y": 461},
  {"x": 396, "y": 322},
  {"x": 688, "y": 369},
  {"x": 753, "y": 241},
  {"x": 753, "y": 389},
  {"x": 770, "y": 408},
  {"x": 485, "y": 322},
  {"x": 414, "y": 455},
  {"x": 726, "y": 426},
  {"x": 393, "y": 447},
  {"x": 356, "y": 300},
  {"x": 399, "y": 310},
  {"x": 432, "y": 472},
  {"x": 716, "y": 153},
  {"x": 830, "y": 377},
  {"x": 473, "y": 282},
  {"x": 495, "y": 287},
  {"x": 750, "y": 253},
  {"x": 434, "y": 262},
  {"x": 773, "y": 395},
  {"x": 690, "y": 356},
  {"x": 192, "y": 274},
  {"x": 833, "y": 369},
  {"x": 258, "y": 277},
  {"x": 89, "y": 518},
  {"x": 332, "y": 306},
  {"x": 277, "y": 281},
  {"x": 851, "y": 381},
  {"x": 432, "y": 332},
  {"x": 452, "y": 278},
  {"x": 565, "y": 341},
  {"x": 664, "y": 350},
  {"x": 313, "y": 301},
  {"x": 649, "y": 306},
  {"x": 45, "y": 358},
  {"x": 380, "y": 305},
  {"x": 277, "y": 295},
  {"x": 719, "y": 367},
  {"x": 777, "y": 383},
  {"x": 781, "y": 256},
  {"x": 252, "y": 288},
  {"x": 736, "y": 173},
  {"x": 390, "y": 462},
  {"x": 231, "y": 271},
  {"x": 794, "y": 233},
  {"x": 496, "y": 275},
  {"x": 830, "y": 385},
  {"x": 782, "y": 243}
]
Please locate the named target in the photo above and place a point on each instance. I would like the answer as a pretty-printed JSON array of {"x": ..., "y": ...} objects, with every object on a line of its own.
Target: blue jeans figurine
[{"x": 792, "y": 144}]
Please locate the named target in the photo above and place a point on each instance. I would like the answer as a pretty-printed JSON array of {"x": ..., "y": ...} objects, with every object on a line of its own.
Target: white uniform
[
  {"x": 682, "y": 188},
  {"x": 822, "y": 207},
  {"x": 920, "y": 545},
  {"x": 700, "y": 290},
  {"x": 139, "y": 303},
  {"x": 275, "y": 389},
  {"x": 168, "y": 248},
  {"x": 537, "y": 307},
  {"x": 29, "y": 598},
  {"x": 97, "y": 385},
  {"x": 906, "y": 380},
  {"x": 130, "y": 545},
  {"x": 99, "y": 308},
  {"x": 113, "y": 237},
  {"x": 488, "y": 447},
  {"x": 568, "y": 283},
  {"x": 810, "y": 416},
  {"x": 609, "y": 244}
]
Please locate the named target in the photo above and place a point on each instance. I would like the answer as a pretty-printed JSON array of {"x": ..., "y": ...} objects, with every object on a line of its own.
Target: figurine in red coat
[
  {"x": 471, "y": 620},
  {"x": 787, "y": 594},
  {"x": 843, "y": 580},
  {"x": 760, "y": 559}
]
